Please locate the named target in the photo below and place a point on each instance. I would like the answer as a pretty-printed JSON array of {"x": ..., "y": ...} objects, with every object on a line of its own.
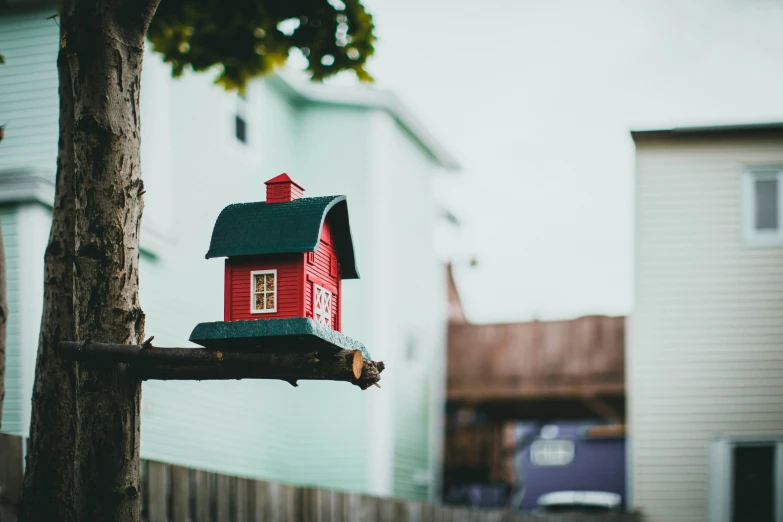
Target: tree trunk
[
  {"x": 48, "y": 490},
  {"x": 83, "y": 458}
]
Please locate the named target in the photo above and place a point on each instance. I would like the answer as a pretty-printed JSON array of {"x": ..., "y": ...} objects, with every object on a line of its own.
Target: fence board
[
  {"x": 387, "y": 510},
  {"x": 408, "y": 511},
  {"x": 202, "y": 496},
  {"x": 223, "y": 496},
  {"x": 368, "y": 508},
  {"x": 10, "y": 476},
  {"x": 427, "y": 513},
  {"x": 311, "y": 504},
  {"x": 180, "y": 494},
  {"x": 290, "y": 503},
  {"x": 244, "y": 500},
  {"x": 338, "y": 511},
  {"x": 263, "y": 503},
  {"x": 157, "y": 491}
]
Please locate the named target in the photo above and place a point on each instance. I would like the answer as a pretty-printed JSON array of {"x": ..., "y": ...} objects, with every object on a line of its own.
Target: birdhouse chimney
[{"x": 282, "y": 189}]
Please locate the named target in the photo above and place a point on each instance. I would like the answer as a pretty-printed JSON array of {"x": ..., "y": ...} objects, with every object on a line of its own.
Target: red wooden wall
[
  {"x": 323, "y": 269},
  {"x": 296, "y": 275},
  {"x": 290, "y": 288}
]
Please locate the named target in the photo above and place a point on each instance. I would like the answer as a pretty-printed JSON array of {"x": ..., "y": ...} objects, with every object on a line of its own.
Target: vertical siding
[
  {"x": 705, "y": 342},
  {"x": 15, "y": 393},
  {"x": 409, "y": 299},
  {"x": 330, "y": 164},
  {"x": 28, "y": 90},
  {"x": 323, "y": 258},
  {"x": 289, "y": 286}
]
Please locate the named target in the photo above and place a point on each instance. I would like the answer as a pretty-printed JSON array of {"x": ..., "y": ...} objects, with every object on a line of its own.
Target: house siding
[
  {"x": 254, "y": 428},
  {"x": 15, "y": 392},
  {"x": 263, "y": 429},
  {"x": 29, "y": 101},
  {"x": 289, "y": 286},
  {"x": 705, "y": 341},
  {"x": 409, "y": 298}
]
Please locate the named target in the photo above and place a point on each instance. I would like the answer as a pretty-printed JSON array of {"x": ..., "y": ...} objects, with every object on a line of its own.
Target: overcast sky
[{"x": 535, "y": 98}]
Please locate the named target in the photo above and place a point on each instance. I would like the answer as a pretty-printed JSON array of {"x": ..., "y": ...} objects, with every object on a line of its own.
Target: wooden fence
[{"x": 177, "y": 494}]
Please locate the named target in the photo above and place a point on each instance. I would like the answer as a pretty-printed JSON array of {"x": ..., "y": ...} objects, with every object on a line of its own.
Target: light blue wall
[
  {"x": 253, "y": 428},
  {"x": 323, "y": 434},
  {"x": 29, "y": 110},
  {"x": 15, "y": 393},
  {"x": 29, "y": 105},
  {"x": 412, "y": 301}
]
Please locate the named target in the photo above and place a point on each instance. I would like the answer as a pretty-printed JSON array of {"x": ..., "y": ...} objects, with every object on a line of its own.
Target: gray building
[{"x": 705, "y": 341}]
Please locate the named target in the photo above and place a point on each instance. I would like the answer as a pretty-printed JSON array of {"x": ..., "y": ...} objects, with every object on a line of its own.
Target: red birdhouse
[{"x": 286, "y": 257}]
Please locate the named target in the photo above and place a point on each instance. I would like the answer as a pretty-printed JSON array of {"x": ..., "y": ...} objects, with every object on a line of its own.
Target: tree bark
[
  {"x": 83, "y": 459},
  {"x": 48, "y": 490},
  {"x": 285, "y": 370}
]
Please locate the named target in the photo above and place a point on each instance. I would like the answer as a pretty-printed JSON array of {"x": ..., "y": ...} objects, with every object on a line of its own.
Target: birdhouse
[{"x": 286, "y": 258}]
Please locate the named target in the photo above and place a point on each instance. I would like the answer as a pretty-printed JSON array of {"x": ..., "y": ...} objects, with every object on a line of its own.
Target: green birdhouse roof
[{"x": 246, "y": 229}]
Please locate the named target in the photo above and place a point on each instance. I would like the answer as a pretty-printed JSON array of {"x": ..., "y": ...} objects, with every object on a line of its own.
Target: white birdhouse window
[
  {"x": 263, "y": 291},
  {"x": 322, "y": 309}
]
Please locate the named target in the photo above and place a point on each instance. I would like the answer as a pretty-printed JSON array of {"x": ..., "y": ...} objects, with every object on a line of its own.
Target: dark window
[
  {"x": 754, "y": 484},
  {"x": 766, "y": 203},
  {"x": 240, "y": 129},
  {"x": 411, "y": 349}
]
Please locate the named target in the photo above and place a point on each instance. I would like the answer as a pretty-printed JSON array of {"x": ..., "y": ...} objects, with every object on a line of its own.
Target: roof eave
[
  {"x": 731, "y": 130},
  {"x": 369, "y": 99},
  {"x": 348, "y": 263}
]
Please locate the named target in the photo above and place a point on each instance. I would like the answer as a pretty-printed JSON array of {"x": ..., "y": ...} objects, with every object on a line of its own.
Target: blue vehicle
[{"x": 569, "y": 466}]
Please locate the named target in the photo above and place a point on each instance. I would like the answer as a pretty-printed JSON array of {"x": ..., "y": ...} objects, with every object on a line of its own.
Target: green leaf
[{"x": 245, "y": 39}]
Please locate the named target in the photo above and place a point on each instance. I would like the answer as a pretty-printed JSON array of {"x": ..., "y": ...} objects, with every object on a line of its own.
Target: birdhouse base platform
[{"x": 273, "y": 335}]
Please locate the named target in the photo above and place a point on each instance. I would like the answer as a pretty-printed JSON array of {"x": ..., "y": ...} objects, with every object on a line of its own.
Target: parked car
[
  {"x": 579, "y": 502},
  {"x": 569, "y": 466}
]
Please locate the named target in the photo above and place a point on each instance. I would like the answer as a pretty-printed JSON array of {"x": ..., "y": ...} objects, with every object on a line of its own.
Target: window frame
[
  {"x": 720, "y": 483},
  {"x": 317, "y": 287},
  {"x": 750, "y": 233},
  {"x": 253, "y": 274},
  {"x": 240, "y": 123},
  {"x": 240, "y": 114}
]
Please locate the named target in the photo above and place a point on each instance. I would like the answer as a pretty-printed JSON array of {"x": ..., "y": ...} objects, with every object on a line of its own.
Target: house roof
[
  {"x": 556, "y": 360},
  {"x": 367, "y": 98},
  {"x": 283, "y": 178},
  {"x": 745, "y": 129},
  {"x": 246, "y": 229}
]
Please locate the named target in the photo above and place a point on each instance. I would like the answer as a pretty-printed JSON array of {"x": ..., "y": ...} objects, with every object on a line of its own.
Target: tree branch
[{"x": 147, "y": 362}]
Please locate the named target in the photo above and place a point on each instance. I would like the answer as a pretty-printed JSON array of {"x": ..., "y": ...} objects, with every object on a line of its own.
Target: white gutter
[{"x": 27, "y": 185}]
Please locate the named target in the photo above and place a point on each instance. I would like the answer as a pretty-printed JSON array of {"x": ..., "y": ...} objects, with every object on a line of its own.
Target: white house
[
  {"x": 202, "y": 149},
  {"x": 705, "y": 340}
]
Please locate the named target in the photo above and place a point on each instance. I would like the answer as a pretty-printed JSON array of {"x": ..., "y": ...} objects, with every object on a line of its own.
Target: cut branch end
[{"x": 358, "y": 364}]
